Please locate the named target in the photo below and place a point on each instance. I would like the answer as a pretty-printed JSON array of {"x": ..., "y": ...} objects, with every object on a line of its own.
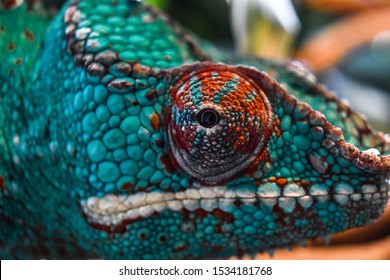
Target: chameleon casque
[{"x": 121, "y": 137}]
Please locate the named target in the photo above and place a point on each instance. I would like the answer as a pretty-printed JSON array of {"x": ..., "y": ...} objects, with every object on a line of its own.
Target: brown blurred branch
[
  {"x": 366, "y": 243},
  {"x": 379, "y": 250},
  {"x": 344, "y": 5},
  {"x": 376, "y": 231},
  {"x": 327, "y": 47}
]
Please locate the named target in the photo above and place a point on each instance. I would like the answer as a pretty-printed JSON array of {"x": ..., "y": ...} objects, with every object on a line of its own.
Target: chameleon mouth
[{"x": 115, "y": 210}]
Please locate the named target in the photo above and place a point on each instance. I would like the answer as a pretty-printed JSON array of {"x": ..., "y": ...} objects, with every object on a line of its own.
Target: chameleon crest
[{"x": 121, "y": 137}]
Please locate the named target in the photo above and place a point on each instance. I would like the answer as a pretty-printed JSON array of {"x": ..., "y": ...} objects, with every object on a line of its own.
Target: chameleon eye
[
  {"x": 218, "y": 122},
  {"x": 208, "y": 118}
]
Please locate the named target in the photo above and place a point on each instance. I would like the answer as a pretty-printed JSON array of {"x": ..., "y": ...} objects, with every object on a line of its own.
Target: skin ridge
[
  {"x": 301, "y": 74},
  {"x": 361, "y": 159},
  {"x": 72, "y": 20}
]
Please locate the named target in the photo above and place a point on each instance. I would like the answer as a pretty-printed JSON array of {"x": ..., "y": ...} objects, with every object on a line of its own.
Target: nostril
[{"x": 208, "y": 117}]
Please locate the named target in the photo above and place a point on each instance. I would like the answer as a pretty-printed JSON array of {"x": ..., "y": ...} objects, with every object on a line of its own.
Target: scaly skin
[{"x": 121, "y": 138}]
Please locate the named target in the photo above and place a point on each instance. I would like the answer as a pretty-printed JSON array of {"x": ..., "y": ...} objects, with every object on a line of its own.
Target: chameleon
[{"x": 124, "y": 136}]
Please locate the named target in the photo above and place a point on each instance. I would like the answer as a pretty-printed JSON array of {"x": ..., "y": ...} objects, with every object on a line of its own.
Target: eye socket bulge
[{"x": 218, "y": 123}]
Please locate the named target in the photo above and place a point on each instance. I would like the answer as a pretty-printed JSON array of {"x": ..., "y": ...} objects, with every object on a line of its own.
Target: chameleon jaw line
[{"x": 111, "y": 209}]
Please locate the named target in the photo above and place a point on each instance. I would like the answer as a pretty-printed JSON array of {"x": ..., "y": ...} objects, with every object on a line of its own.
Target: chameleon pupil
[{"x": 208, "y": 118}]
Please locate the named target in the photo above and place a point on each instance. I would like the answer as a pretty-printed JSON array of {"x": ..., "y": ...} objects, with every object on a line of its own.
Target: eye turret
[{"x": 218, "y": 122}]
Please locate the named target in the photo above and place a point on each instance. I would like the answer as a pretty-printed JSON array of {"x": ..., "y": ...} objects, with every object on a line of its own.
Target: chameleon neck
[{"x": 21, "y": 32}]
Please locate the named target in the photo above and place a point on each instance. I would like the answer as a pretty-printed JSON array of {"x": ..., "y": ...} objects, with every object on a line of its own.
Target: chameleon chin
[{"x": 122, "y": 138}]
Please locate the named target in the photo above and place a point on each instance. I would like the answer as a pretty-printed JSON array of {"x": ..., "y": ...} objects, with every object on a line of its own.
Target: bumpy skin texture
[{"x": 121, "y": 138}]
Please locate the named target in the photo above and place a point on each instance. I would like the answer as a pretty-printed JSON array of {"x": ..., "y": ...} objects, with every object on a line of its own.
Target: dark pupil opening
[{"x": 207, "y": 118}]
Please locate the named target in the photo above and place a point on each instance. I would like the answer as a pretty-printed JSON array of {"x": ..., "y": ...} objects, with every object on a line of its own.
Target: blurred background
[{"x": 346, "y": 43}]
